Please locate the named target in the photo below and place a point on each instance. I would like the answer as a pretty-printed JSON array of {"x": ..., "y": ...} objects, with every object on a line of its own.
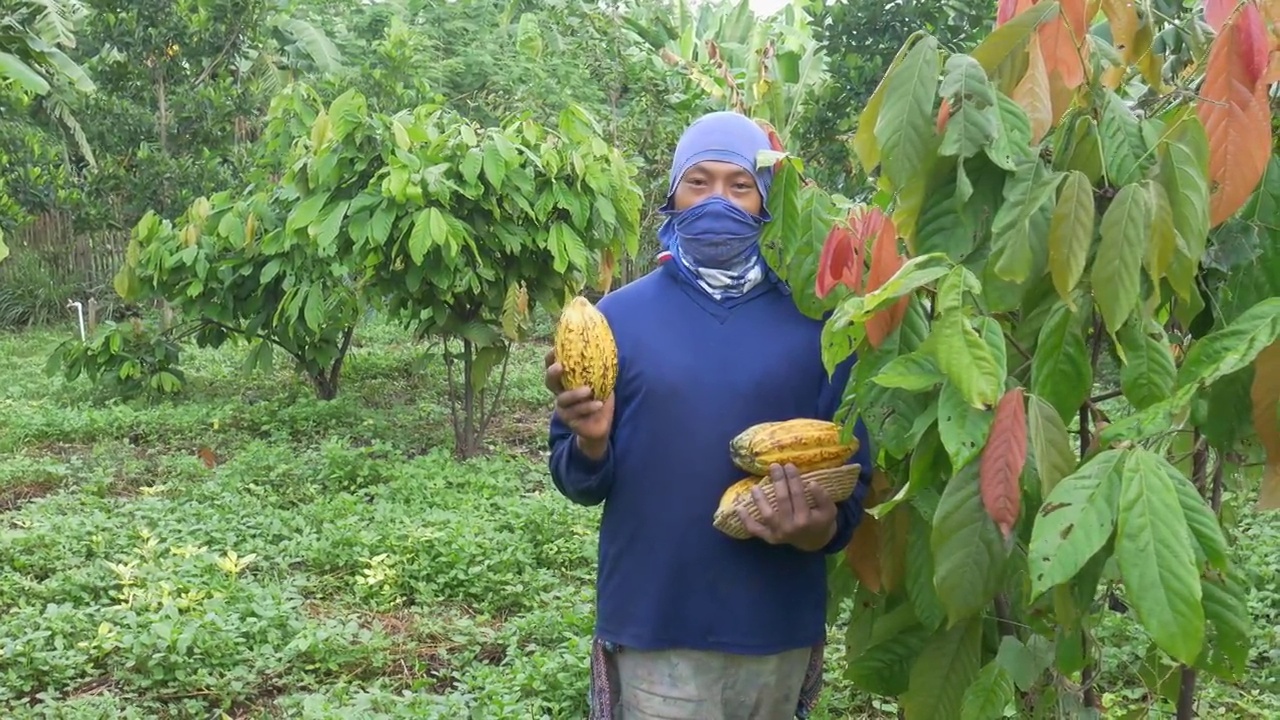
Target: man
[{"x": 692, "y": 624}]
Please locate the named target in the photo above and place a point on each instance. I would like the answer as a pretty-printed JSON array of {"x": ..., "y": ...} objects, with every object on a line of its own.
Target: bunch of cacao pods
[{"x": 813, "y": 446}]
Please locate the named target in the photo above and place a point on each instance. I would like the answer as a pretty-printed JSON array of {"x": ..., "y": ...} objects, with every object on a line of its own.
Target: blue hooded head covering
[{"x": 716, "y": 243}]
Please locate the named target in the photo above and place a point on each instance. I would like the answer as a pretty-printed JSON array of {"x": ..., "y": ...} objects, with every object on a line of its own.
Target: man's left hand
[{"x": 792, "y": 521}]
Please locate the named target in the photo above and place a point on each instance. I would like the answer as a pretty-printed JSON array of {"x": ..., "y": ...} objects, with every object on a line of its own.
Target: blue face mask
[{"x": 716, "y": 234}]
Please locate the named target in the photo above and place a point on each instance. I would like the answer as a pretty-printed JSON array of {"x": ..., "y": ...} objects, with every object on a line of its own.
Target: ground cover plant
[{"x": 246, "y": 548}]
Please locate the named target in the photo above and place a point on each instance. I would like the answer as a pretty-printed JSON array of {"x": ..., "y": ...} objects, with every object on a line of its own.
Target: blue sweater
[{"x": 693, "y": 373}]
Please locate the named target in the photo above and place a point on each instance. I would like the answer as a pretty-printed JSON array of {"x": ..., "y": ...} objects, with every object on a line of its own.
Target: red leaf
[
  {"x": 885, "y": 261},
  {"x": 862, "y": 554},
  {"x": 206, "y": 454},
  {"x": 1235, "y": 111},
  {"x": 1002, "y": 461},
  {"x": 775, "y": 142},
  {"x": 1216, "y": 12},
  {"x": 1009, "y": 9},
  {"x": 944, "y": 114},
  {"x": 839, "y": 264}
]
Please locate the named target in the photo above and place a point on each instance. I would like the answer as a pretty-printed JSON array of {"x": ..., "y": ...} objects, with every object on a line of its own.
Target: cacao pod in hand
[
  {"x": 838, "y": 482},
  {"x": 807, "y": 443},
  {"x": 585, "y": 349}
]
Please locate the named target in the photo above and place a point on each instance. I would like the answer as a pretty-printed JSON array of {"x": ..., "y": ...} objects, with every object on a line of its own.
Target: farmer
[{"x": 692, "y": 624}]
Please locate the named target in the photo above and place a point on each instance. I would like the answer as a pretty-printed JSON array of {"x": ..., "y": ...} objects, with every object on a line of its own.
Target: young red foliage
[
  {"x": 840, "y": 262},
  {"x": 1235, "y": 110},
  {"x": 885, "y": 261},
  {"x": 1002, "y": 461}
]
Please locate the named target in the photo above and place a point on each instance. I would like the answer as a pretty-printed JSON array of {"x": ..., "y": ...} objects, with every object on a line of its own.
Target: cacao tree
[
  {"x": 1064, "y": 300},
  {"x": 456, "y": 230}
]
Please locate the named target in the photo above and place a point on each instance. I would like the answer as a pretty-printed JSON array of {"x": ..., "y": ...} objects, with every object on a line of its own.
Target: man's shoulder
[{"x": 641, "y": 292}]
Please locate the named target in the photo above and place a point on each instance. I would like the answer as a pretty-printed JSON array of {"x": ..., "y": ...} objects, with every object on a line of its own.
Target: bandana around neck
[{"x": 716, "y": 243}]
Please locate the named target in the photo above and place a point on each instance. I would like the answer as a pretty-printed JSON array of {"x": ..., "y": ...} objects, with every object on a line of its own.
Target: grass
[{"x": 336, "y": 561}]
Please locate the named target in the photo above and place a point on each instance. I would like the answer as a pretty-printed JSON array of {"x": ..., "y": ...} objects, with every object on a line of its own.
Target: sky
[{"x": 764, "y": 7}]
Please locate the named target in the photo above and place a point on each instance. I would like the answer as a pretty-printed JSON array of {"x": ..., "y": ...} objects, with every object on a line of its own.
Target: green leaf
[
  {"x": 962, "y": 427},
  {"x": 968, "y": 551},
  {"x": 1183, "y": 154},
  {"x": 1153, "y": 550},
  {"x": 905, "y": 124},
  {"x": 989, "y": 695},
  {"x": 1024, "y": 192},
  {"x": 913, "y": 371},
  {"x": 1025, "y": 663},
  {"x": 919, "y": 572},
  {"x": 1164, "y": 235},
  {"x": 943, "y": 672},
  {"x": 914, "y": 274},
  {"x": 1122, "y": 144},
  {"x": 1147, "y": 376},
  {"x": 1211, "y": 545},
  {"x": 495, "y": 166},
  {"x": 1226, "y": 654},
  {"x": 12, "y": 67},
  {"x": 1054, "y": 458},
  {"x": 1229, "y": 349},
  {"x": 314, "y": 308},
  {"x": 1060, "y": 369},
  {"x": 1013, "y": 135},
  {"x": 964, "y": 82},
  {"x": 327, "y": 227},
  {"x": 1074, "y": 522},
  {"x": 865, "y": 143},
  {"x": 966, "y": 359},
  {"x": 969, "y": 130},
  {"x": 1071, "y": 233},
  {"x": 421, "y": 239},
  {"x": 884, "y": 666},
  {"x": 1126, "y": 235},
  {"x": 306, "y": 212}
]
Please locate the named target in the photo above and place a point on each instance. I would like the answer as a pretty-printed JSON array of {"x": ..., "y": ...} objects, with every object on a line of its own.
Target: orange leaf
[
  {"x": 1062, "y": 42},
  {"x": 885, "y": 261},
  {"x": 944, "y": 114},
  {"x": 1234, "y": 109},
  {"x": 862, "y": 554},
  {"x": 1124, "y": 26},
  {"x": 1032, "y": 93},
  {"x": 1002, "y": 461},
  {"x": 1265, "y": 394},
  {"x": 604, "y": 279},
  {"x": 209, "y": 457}
]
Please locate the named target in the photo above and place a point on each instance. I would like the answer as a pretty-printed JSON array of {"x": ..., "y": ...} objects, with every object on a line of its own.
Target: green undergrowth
[{"x": 245, "y": 550}]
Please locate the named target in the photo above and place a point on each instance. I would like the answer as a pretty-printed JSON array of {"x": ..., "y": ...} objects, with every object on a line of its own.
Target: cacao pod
[
  {"x": 838, "y": 482},
  {"x": 585, "y": 348},
  {"x": 807, "y": 443}
]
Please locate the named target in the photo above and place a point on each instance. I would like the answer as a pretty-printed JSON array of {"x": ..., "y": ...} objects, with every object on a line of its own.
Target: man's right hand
[{"x": 588, "y": 418}]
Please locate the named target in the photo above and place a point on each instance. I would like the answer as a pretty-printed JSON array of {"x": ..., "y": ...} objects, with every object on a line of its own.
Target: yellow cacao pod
[
  {"x": 735, "y": 492},
  {"x": 838, "y": 482},
  {"x": 585, "y": 348},
  {"x": 807, "y": 443}
]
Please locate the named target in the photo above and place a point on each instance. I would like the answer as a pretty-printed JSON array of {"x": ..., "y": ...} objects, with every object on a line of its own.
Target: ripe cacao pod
[
  {"x": 838, "y": 482},
  {"x": 585, "y": 348},
  {"x": 807, "y": 443}
]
